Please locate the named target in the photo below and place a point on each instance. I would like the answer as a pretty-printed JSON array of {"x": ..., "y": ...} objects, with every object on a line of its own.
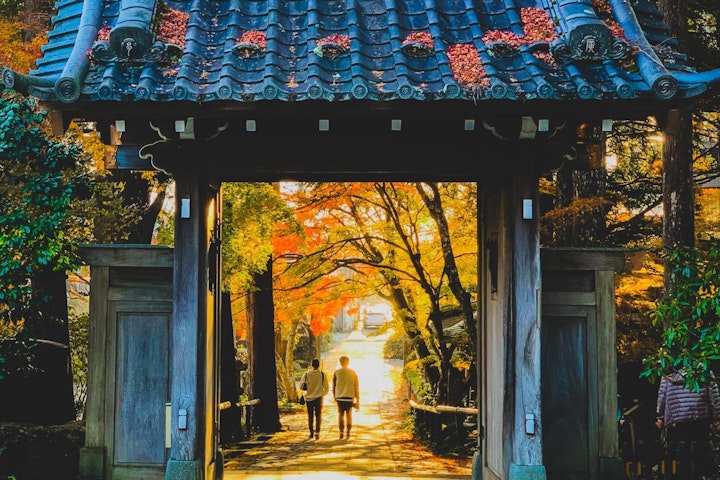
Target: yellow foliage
[
  {"x": 546, "y": 186},
  {"x": 707, "y": 217},
  {"x": 635, "y": 296},
  {"x": 14, "y": 52},
  {"x": 91, "y": 144},
  {"x": 656, "y": 168}
]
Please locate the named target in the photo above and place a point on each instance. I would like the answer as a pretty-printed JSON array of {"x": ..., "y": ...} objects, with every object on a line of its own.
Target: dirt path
[{"x": 379, "y": 446}]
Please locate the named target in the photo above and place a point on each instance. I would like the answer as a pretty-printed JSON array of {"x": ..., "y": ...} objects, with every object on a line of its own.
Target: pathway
[{"x": 378, "y": 447}]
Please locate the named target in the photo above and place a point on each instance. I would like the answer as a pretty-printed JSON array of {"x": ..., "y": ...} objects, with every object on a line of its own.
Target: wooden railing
[
  {"x": 443, "y": 408},
  {"x": 654, "y": 461},
  {"x": 246, "y": 414},
  {"x": 247, "y": 403}
]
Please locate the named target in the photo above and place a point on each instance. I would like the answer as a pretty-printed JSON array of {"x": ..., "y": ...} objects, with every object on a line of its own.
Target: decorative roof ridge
[
  {"x": 21, "y": 82},
  {"x": 709, "y": 77},
  {"x": 583, "y": 50},
  {"x": 663, "y": 84},
  {"x": 68, "y": 86}
]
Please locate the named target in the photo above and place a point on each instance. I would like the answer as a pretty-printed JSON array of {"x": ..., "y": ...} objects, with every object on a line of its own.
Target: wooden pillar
[
  {"x": 608, "y": 450},
  {"x": 191, "y": 391},
  {"x": 527, "y": 460},
  {"x": 92, "y": 455}
]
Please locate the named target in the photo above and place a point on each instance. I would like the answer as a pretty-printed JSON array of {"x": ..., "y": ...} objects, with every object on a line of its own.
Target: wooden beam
[
  {"x": 604, "y": 259},
  {"x": 128, "y": 255}
]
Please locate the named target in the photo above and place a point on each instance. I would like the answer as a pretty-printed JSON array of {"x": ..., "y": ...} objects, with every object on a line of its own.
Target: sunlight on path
[
  {"x": 331, "y": 476},
  {"x": 375, "y": 450},
  {"x": 377, "y": 376}
]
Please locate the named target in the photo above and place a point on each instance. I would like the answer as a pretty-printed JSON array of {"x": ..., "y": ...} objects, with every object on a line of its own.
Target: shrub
[
  {"x": 690, "y": 316},
  {"x": 394, "y": 347}
]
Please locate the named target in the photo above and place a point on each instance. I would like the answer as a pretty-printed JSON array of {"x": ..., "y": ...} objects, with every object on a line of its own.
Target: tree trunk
[
  {"x": 137, "y": 191},
  {"x": 49, "y": 398},
  {"x": 36, "y": 16},
  {"x": 263, "y": 369},
  {"x": 409, "y": 324},
  {"x": 583, "y": 186},
  {"x": 285, "y": 371},
  {"x": 230, "y": 419},
  {"x": 436, "y": 209},
  {"x": 678, "y": 193},
  {"x": 562, "y": 230}
]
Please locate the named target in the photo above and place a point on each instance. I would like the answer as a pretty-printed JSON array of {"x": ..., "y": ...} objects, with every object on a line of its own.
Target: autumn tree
[
  {"x": 414, "y": 245},
  {"x": 15, "y": 51},
  {"x": 252, "y": 214}
]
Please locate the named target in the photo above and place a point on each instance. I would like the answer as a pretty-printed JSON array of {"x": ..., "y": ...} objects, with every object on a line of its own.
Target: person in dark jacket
[
  {"x": 317, "y": 387},
  {"x": 688, "y": 416}
]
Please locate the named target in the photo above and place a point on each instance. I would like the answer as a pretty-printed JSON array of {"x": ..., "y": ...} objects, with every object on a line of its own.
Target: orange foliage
[
  {"x": 320, "y": 325},
  {"x": 284, "y": 241},
  {"x": 353, "y": 309},
  {"x": 316, "y": 304},
  {"x": 656, "y": 169},
  {"x": 322, "y": 315}
]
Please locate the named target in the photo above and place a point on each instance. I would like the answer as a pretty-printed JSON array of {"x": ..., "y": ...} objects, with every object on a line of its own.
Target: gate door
[
  {"x": 578, "y": 363},
  {"x": 128, "y": 378}
]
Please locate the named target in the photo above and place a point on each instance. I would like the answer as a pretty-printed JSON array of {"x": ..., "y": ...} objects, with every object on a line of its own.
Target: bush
[
  {"x": 34, "y": 452},
  {"x": 394, "y": 347},
  {"x": 690, "y": 316}
]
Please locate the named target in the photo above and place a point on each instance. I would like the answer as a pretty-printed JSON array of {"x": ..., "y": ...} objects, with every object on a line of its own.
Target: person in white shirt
[{"x": 346, "y": 392}]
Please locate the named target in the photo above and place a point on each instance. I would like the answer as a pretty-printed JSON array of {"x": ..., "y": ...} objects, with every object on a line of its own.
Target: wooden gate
[
  {"x": 129, "y": 359},
  {"x": 579, "y": 386}
]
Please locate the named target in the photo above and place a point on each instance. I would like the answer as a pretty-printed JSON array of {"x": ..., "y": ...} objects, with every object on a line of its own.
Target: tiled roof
[{"x": 378, "y": 50}]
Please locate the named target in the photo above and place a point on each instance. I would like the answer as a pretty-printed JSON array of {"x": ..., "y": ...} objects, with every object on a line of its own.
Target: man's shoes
[
  {"x": 342, "y": 435},
  {"x": 317, "y": 436},
  {"x": 311, "y": 435}
]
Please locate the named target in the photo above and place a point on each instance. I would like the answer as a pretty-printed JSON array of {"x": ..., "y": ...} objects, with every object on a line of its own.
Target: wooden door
[
  {"x": 569, "y": 392},
  {"x": 140, "y": 387}
]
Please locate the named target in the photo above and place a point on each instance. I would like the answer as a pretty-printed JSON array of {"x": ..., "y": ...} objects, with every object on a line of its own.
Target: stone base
[
  {"x": 477, "y": 466},
  {"x": 183, "y": 470},
  {"x": 92, "y": 463},
  {"x": 527, "y": 472}
]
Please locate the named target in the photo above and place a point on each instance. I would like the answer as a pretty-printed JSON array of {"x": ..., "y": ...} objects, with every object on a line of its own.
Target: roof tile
[{"x": 570, "y": 50}]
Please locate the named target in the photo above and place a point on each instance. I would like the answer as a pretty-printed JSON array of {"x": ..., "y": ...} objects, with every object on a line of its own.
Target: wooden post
[
  {"x": 191, "y": 430},
  {"x": 527, "y": 461}
]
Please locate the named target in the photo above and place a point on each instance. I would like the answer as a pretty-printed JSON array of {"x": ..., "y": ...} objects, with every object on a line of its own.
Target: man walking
[{"x": 346, "y": 392}]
